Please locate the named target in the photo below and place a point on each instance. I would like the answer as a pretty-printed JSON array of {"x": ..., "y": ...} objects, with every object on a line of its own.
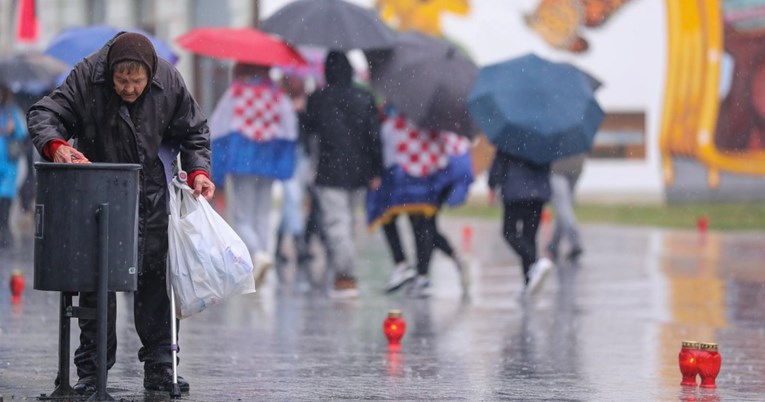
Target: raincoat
[
  {"x": 9, "y": 166},
  {"x": 349, "y": 142},
  {"x": 83, "y": 108}
]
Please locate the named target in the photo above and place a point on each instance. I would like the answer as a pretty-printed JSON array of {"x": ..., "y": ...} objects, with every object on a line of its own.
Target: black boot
[
  {"x": 302, "y": 249},
  {"x": 279, "y": 256},
  {"x": 6, "y": 237}
]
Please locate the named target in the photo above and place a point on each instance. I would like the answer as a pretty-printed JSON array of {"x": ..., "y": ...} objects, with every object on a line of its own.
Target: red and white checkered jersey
[
  {"x": 419, "y": 152},
  {"x": 257, "y": 110}
]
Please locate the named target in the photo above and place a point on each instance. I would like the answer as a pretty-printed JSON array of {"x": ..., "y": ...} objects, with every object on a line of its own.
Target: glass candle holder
[
  {"x": 709, "y": 363},
  {"x": 688, "y": 362},
  {"x": 394, "y": 327},
  {"x": 17, "y": 286}
]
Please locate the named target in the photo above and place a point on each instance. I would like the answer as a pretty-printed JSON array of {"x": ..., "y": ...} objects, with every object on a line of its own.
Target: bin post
[{"x": 102, "y": 307}]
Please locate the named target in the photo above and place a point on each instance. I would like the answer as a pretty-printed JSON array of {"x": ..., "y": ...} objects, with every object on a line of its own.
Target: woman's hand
[
  {"x": 203, "y": 186},
  {"x": 67, "y": 154}
]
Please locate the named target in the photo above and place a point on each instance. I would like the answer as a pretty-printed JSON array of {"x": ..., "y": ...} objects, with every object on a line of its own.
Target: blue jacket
[
  {"x": 9, "y": 167},
  {"x": 519, "y": 179}
]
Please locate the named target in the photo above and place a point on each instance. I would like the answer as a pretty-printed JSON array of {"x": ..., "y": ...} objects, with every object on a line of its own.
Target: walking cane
[{"x": 176, "y": 389}]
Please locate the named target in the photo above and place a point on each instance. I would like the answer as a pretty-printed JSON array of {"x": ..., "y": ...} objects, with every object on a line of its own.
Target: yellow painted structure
[{"x": 691, "y": 98}]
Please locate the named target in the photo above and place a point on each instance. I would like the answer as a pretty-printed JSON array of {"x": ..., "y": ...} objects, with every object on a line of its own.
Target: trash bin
[{"x": 66, "y": 252}]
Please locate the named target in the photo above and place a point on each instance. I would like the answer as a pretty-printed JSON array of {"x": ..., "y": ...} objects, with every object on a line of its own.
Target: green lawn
[{"x": 719, "y": 216}]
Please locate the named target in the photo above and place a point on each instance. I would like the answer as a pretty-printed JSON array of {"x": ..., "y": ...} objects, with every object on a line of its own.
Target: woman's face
[{"x": 129, "y": 85}]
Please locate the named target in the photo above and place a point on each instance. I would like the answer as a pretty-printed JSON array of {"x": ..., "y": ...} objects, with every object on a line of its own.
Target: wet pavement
[{"x": 608, "y": 329}]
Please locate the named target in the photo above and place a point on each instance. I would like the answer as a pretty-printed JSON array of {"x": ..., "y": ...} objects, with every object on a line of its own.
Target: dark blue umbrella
[
  {"x": 536, "y": 109},
  {"x": 74, "y": 44},
  {"x": 30, "y": 72}
]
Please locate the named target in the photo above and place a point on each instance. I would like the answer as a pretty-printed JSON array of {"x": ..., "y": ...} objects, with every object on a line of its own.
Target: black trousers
[
  {"x": 439, "y": 241},
  {"x": 151, "y": 312},
  {"x": 520, "y": 226},
  {"x": 6, "y": 238}
]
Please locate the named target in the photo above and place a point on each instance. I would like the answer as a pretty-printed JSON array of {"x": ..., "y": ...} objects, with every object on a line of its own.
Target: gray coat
[{"x": 86, "y": 108}]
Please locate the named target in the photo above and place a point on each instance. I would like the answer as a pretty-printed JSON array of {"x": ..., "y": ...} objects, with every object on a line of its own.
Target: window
[{"x": 622, "y": 136}]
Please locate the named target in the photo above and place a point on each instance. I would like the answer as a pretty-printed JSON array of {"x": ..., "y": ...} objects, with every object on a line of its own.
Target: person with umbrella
[
  {"x": 534, "y": 111},
  {"x": 255, "y": 130},
  {"x": 13, "y": 134},
  {"x": 123, "y": 104},
  {"x": 346, "y": 121},
  {"x": 525, "y": 187}
]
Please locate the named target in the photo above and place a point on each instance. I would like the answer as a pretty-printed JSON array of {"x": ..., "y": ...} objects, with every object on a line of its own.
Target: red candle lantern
[
  {"x": 17, "y": 286},
  {"x": 702, "y": 223},
  {"x": 467, "y": 238},
  {"x": 394, "y": 327},
  {"x": 709, "y": 362},
  {"x": 688, "y": 361}
]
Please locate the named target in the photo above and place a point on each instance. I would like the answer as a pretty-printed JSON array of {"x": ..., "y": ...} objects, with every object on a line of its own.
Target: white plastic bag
[{"x": 207, "y": 262}]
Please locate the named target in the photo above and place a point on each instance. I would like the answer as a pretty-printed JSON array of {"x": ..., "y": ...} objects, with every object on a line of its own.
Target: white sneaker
[
  {"x": 399, "y": 277},
  {"x": 421, "y": 287},
  {"x": 262, "y": 262},
  {"x": 537, "y": 274}
]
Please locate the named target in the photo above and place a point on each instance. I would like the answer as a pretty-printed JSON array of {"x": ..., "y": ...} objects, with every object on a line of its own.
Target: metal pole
[
  {"x": 102, "y": 308},
  {"x": 175, "y": 392},
  {"x": 255, "y": 13}
]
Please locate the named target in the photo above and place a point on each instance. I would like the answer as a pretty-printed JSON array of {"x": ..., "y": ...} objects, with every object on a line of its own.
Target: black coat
[
  {"x": 347, "y": 124},
  {"x": 519, "y": 180},
  {"x": 105, "y": 129}
]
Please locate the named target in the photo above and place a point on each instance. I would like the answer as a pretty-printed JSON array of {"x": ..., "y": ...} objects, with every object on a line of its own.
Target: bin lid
[{"x": 86, "y": 166}]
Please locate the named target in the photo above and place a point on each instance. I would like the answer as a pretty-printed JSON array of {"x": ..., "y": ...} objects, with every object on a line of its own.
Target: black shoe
[
  {"x": 85, "y": 386},
  {"x": 574, "y": 254},
  {"x": 159, "y": 377}
]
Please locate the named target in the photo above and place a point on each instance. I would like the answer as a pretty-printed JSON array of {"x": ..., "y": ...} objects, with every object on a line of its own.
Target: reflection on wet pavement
[{"x": 606, "y": 329}]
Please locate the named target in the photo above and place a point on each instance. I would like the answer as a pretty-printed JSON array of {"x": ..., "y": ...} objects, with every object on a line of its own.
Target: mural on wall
[
  {"x": 561, "y": 22},
  {"x": 714, "y": 104},
  {"x": 622, "y": 134},
  {"x": 420, "y": 15}
]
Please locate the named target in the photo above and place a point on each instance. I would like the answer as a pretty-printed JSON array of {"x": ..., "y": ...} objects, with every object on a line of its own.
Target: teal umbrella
[{"x": 536, "y": 109}]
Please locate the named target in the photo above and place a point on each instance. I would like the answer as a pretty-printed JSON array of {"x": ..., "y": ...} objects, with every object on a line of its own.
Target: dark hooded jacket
[
  {"x": 86, "y": 108},
  {"x": 518, "y": 179},
  {"x": 347, "y": 124}
]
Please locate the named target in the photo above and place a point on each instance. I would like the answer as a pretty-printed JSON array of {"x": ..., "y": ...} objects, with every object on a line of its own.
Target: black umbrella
[
  {"x": 427, "y": 79},
  {"x": 331, "y": 24},
  {"x": 31, "y": 72}
]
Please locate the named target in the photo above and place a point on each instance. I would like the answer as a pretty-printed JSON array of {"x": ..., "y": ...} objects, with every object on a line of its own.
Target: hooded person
[
  {"x": 346, "y": 123},
  {"x": 123, "y": 104}
]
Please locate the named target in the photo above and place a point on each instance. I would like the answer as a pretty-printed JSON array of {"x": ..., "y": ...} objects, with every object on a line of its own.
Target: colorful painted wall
[
  {"x": 683, "y": 85},
  {"x": 714, "y": 108}
]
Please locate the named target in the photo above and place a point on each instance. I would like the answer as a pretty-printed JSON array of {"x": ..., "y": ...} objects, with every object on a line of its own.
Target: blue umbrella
[
  {"x": 74, "y": 44},
  {"x": 536, "y": 109}
]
